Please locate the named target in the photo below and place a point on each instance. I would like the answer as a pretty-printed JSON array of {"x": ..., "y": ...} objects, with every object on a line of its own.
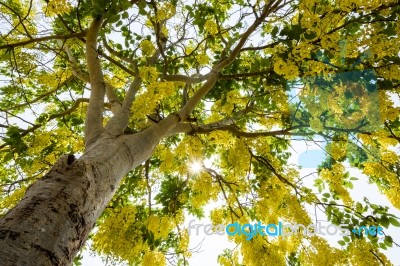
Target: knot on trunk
[{"x": 63, "y": 162}]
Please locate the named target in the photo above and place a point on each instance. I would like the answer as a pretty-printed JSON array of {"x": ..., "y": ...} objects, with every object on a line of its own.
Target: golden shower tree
[{"x": 104, "y": 104}]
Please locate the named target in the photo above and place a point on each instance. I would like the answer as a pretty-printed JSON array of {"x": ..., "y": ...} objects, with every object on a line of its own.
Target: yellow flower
[
  {"x": 316, "y": 124},
  {"x": 147, "y": 47},
  {"x": 153, "y": 258},
  {"x": 286, "y": 68},
  {"x": 202, "y": 59},
  {"x": 55, "y": 7},
  {"x": 211, "y": 27}
]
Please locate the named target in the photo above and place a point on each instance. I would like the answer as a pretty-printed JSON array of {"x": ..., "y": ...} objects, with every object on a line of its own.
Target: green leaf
[
  {"x": 394, "y": 222},
  {"x": 125, "y": 15},
  {"x": 384, "y": 221},
  {"x": 274, "y": 31},
  {"x": 310, "y": 36},
  {"x": 388, "y": 241},
  {"x": 114, "y": 18}
]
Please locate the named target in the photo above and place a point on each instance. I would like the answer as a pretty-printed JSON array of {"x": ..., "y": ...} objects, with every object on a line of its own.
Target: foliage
[{"x": 340, "y": 58}]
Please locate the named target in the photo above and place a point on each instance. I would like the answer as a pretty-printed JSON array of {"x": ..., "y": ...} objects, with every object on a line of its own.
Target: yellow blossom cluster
[
  {"x": 147, "y": 48},
  {"x": 58, "y": 139},
  {"x": 217, "y": 216},
  {"x": 237, "y": 160},
  {"x": 52, "y": 80},
  {"x": 118, "y": 231},
  {"x": 382, "y": 46},
  {"x": 149, "y": 74},
  {"x": 316, "y": 124},
  {"x": 383, "y": 139},
  {"x": 55, "y": 7},
  {"x": 165, "y": 11},
  {"x": 391, "y": 72},
  {"x": 362, "y": 253},
  {"x": 320, "y": 253},
  {"x": 7, "y": 203},
  {"x": 259, "y": 250},
  {"x": 286, "y": 68},
  {"x": 224, "y": 139},
  {"x": 153, "y": 258},
  {"x": 295, "y": 211},
  {"x": 389, "y": 157},
  {"x": 335, "y": 179},
  {"x": 337, "y": 149},
  {"x": 234, "y": 98},
  {"x": 303, "y": 50},
  {"x": 155, "y": 92},
  {"x": 204, "y": 190},
  {"x": 167, "y": 159},
  {"x": 159, "y": 226},
  {"x": 202, "y": 59},
  {"x": 211, "y": 27},
  {"x": 233, "y": 259},
  {"x": 386, "y": 106},
  {"x": 272, "y": 196},
  {"x": 190, "y": 146},
  {"x": 184, "y": 243},
  {"x": 378, "y": 169},
  {"x": 393, "y": 194}
]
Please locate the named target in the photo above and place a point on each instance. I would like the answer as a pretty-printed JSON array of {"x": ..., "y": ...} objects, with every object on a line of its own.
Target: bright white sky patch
[{"x": 195, "y": 167}]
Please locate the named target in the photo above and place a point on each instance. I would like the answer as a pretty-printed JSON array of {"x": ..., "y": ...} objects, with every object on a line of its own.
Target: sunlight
[{"x": 195, "y": 167}]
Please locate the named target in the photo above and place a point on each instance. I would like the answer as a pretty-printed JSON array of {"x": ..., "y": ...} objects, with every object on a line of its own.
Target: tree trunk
[{"x": 53, "y": 220}]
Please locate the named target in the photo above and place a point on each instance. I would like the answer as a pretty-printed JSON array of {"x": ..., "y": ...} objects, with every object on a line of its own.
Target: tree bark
[{"x": 51, "y": 223}]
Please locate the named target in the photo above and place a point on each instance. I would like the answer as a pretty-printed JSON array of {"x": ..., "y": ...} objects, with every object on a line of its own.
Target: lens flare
[{"x": 195, "y": 167}]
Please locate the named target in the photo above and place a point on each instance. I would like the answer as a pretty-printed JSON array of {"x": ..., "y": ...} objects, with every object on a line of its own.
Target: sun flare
[{"x": 195, "y": 167}]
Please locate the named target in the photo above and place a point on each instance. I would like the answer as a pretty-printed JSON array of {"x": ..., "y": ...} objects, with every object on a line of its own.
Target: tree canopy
[{"x": 245, "y": 78}]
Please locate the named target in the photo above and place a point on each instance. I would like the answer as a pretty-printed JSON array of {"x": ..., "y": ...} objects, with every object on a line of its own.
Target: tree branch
[
  {"x": 120, "y": 120},
  {"x": 46, "y": 38},
  {"x": 226, "y": 125},
  {"x": 51, "y": 117},
  {"x": 186, "y": 79},
  {"x": 268, "y": 9},
  {"x": 213, "y": 75},
  {"x": 110, "y": 90},
  {"x": 94, "y": 117},
  {"x": 38, "y": 98}
]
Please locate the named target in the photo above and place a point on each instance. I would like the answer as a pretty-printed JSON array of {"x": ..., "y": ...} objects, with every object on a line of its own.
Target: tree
[{"x": 185, "y": 83}]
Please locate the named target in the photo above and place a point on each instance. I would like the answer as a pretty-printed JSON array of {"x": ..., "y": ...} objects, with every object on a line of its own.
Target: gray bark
[{"x": 53, "y": 220}]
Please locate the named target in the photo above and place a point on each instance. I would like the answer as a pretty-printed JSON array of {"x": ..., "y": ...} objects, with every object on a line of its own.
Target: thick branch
[
  {"x": 119, "y": 121},
  {"x": 196, "y": 98},
  {"x": 53, "y": 37},
  {"x": 270, "y": 45},
  {"x": 94, "y": 117},
  {"x": 110, "y": 90},
  {"x": 186, "y": 79},
  {"x": 228, "y": 126}
]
